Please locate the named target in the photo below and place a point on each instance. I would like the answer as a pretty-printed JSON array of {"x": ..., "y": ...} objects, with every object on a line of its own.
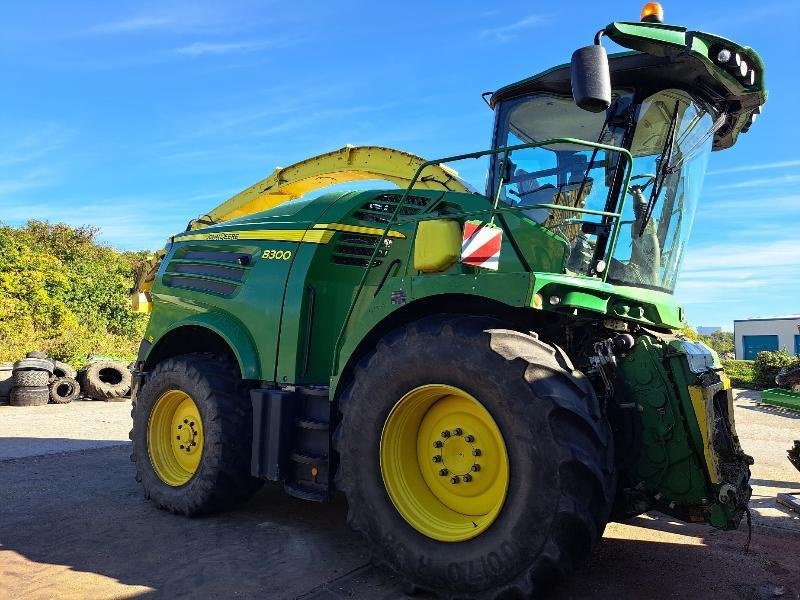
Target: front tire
[
  {"x": 192, "y": 434},
  {"x": 558, "y": 488}
]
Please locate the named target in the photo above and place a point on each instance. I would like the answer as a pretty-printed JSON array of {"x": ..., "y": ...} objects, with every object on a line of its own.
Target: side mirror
[{"x": 591, "y": 79}]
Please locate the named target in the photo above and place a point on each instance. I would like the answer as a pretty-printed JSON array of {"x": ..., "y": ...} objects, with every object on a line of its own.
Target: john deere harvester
[{"x": 488, "y": 378}]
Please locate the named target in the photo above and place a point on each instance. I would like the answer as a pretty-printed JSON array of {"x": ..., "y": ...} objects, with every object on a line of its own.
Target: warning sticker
[{"x": 481, "y": 245}]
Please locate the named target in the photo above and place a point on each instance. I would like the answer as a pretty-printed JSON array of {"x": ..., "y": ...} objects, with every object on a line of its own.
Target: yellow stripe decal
[
  {"x": 275, "y": 235},
  {"x": 358, "y": 229},
  {"x": 321, "y": 233}
]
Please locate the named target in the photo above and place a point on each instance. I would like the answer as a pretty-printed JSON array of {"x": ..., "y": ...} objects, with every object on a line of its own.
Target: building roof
[{"x": 779, "y": 318}]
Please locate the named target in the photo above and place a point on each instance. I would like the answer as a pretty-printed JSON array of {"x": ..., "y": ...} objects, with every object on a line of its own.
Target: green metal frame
[{"x": 506, "y": 151}]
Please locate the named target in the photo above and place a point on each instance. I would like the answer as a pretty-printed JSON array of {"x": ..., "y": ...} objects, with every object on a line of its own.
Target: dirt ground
[{"x": 74, "y": 524}]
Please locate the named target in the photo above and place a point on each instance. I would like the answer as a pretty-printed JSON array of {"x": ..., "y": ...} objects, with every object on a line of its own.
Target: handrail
[
  {"x": 506, "y": 150},
  {"x": 510, "y": 209}
]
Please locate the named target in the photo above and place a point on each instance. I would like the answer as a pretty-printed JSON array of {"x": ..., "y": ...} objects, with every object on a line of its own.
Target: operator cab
[{"x": 668, "y": 128}]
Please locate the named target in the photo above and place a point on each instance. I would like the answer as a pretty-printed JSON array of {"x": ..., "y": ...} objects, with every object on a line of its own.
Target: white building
[{"x": 752, "y": 336}]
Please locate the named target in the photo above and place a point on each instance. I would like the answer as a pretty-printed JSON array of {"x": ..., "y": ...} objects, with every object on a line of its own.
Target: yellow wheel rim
[
  {"x": 444, "y": 463},
  {"x": 175, "y": 438}
]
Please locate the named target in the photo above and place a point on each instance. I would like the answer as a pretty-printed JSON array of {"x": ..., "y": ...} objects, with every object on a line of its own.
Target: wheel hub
[
  {"x": 457, "y": 455},
  {"x": 444, "y": 462},
  {"x": 175, "y": 438}
]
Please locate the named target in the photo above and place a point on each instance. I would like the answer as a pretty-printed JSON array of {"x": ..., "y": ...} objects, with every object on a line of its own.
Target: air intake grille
[
  {"x": 215, "y": 272},
  {"x": 382, "y": 208},
  {"x": 356, "y": 249}
]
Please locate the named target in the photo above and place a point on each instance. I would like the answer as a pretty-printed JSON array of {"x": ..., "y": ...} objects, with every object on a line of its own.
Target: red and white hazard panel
[{"x": 481, "y": 245}]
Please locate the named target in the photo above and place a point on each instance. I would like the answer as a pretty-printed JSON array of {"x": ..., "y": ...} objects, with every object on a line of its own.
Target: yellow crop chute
[{"x": 351, "y": 163}]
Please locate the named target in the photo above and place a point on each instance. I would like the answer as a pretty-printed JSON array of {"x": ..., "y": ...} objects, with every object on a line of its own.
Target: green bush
[
  {"x": 740, "y": 372},
  {"x": 767, "y": 365},
  {"x": 65, "y": 294}
]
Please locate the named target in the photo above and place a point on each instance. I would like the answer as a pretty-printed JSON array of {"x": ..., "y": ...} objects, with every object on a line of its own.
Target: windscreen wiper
[{"x": 663, "y": 169}]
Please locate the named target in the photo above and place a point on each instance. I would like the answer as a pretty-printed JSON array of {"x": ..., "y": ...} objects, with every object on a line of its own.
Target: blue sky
[{"x": 137, "y": 116}]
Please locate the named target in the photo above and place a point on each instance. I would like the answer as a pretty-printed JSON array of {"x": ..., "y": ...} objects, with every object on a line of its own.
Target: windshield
[
  {"x": 568, "y": 175},
  {"x": 670, "y": 146}
]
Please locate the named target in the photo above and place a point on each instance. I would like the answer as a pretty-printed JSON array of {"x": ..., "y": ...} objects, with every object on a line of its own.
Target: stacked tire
[
  {"x": 31, "y": 380},
  {"x": 64, "y": 386}
]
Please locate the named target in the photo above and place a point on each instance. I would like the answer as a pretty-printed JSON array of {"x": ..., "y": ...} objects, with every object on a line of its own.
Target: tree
[
  {"x": 62, "y": 292},
  {"x": 720, "y": 341}
]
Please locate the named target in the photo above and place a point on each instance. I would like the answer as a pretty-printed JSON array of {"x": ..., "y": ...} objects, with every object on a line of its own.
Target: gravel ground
[
  {"x": 75, "y": 525},
  {"x": 57, "y": 428}
]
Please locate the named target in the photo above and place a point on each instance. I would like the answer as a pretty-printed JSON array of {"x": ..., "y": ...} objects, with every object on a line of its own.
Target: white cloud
[
  {"x": 784, "y": 180},
  {"x": 32, "y": 179},
  {"x": 132, "y": 25},
  {"x": 204, "y": 48},
  {"x": 32, "y": 142},
  {"x": 755, "y": 254},
  {"x": 505, "y": 33},
  {"x": 782, "y": 164}
]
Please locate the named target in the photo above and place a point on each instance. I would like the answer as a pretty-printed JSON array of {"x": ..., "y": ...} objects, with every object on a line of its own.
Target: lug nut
[
  {"x": 194, "y": 443},
  {"x": 438, "y": 444},
  {"x": 437, "y": 458},
  {"x": 191, "y": 423},
  {"x": 443, "y": 472},
  {"x": 186, "y": 420},
  {"x": 455, "y": 479},
  {"x": 469, "y": 438},
  {"x": 467, "y": 478},
  {"x": 475, "y": 468},
  {"x": 458, "y": 431},
  {"x": 177, "y": 437},
  {"x": 476, "y": 452},
  {"x": 182, "y": 446},
  {"x": 180, "y": 426},
  {"x": 445, "y": 434}
]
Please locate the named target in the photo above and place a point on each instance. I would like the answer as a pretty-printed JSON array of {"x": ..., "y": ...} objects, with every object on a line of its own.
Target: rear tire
[
  {"x": 221, "y": 478},
  {"x": 560, "y": 457}
]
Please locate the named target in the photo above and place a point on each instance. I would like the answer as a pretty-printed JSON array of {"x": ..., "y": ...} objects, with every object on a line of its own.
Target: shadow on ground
[{"x": 76, "y": 525}]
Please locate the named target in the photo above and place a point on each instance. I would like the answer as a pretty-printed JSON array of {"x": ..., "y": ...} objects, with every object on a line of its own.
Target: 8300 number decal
[{"x": 277, "y": 254}]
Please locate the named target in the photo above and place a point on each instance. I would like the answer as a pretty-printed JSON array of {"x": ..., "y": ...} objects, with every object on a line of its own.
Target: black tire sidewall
[
  {"x": 178, "y": 377},
  {"x": 29, "y": 396},
  {"x": 75, "y": 390},
  {"x": 96, "y": 388},
  {"x": 500, "y": 553}
]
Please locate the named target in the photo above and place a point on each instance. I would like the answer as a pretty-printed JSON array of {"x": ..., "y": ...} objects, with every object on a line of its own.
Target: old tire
[
  {"x": 559, "y": 458},
  {"x": 31, "y": 378},
  {"x": 36, "y": 354},
  {"x": 30, "y": 396},
  {"x": 64, "y": 390},
  {"x": 62, "y": 369},
  {"x": 34, "y": 364},
  {"x": 105, "y": 379},
  {"x": 194, "y": 398}
]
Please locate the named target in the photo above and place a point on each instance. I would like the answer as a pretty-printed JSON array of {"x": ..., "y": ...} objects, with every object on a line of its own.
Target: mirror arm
[{"x": 598, "y": 36}]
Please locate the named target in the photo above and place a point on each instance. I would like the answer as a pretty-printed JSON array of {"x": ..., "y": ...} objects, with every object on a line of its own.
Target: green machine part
[{"x": 690, "y": 460}]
